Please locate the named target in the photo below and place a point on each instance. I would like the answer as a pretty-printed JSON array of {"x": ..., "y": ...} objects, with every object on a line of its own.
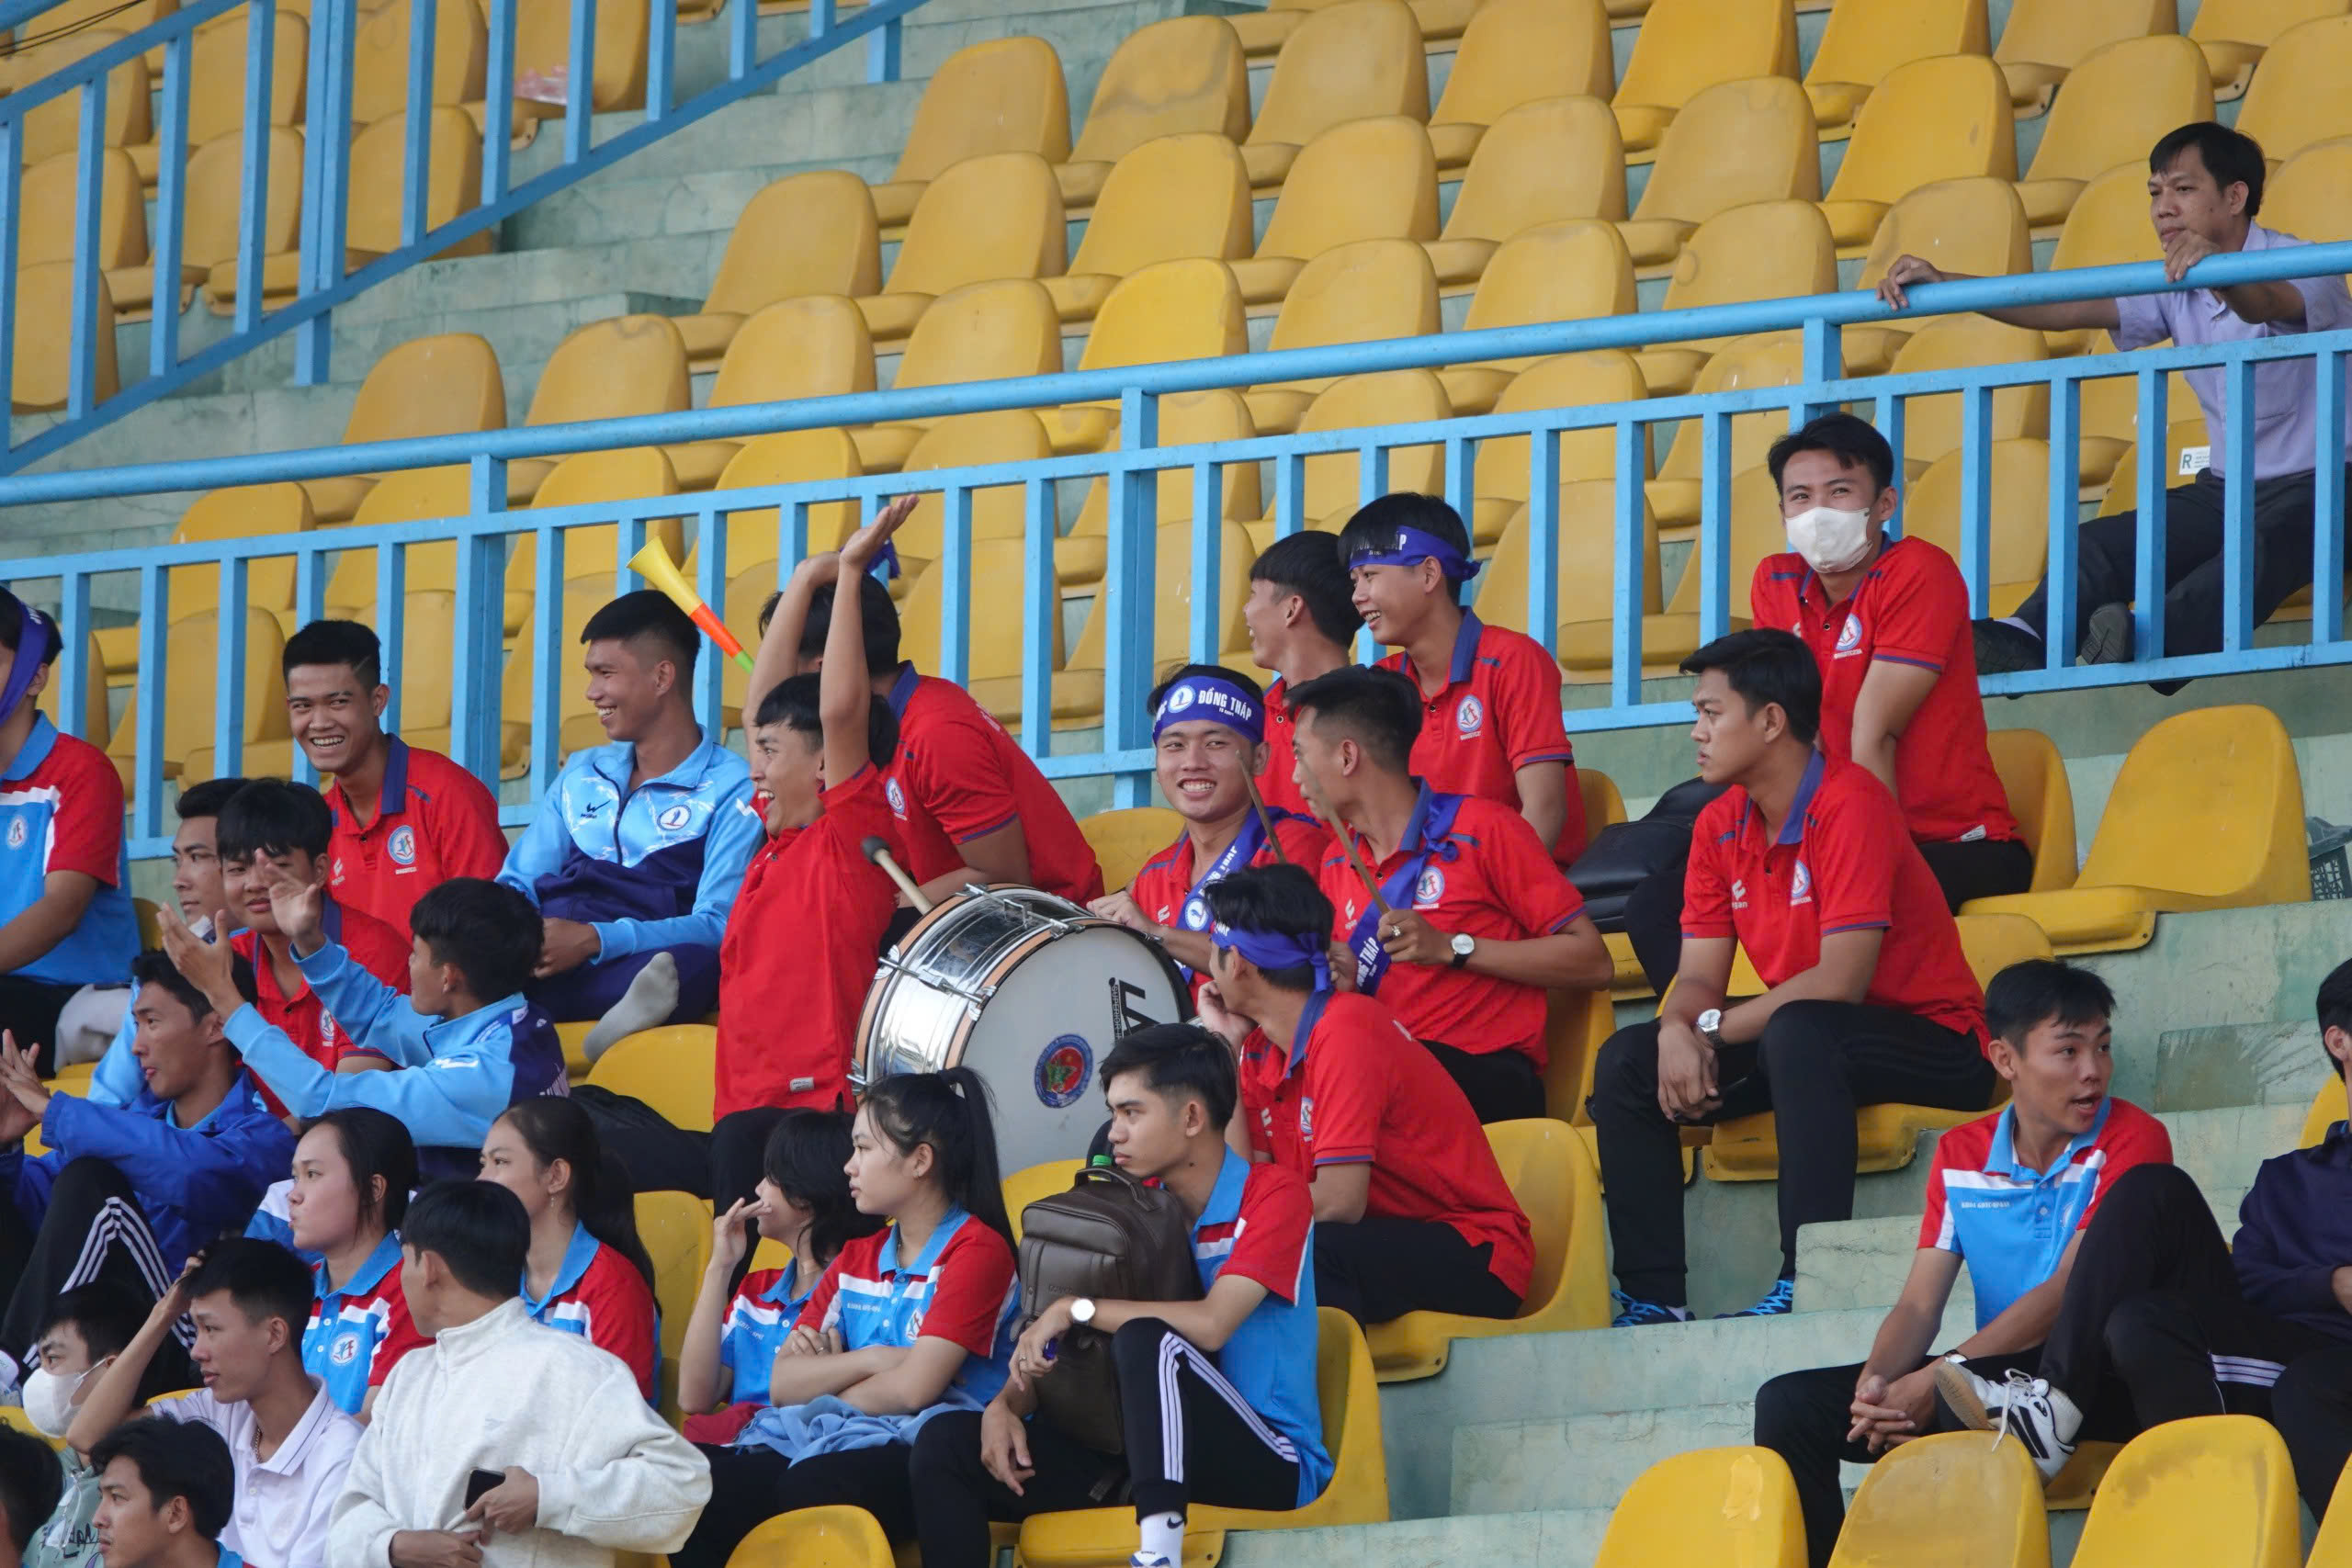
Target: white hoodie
[{"x": 505, "y": 1391}]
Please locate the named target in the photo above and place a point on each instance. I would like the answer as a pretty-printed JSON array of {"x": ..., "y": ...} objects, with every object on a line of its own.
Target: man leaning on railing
[{"x": 2204, "y": 189}]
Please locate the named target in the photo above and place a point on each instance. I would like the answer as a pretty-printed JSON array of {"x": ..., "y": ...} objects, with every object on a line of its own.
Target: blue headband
[
  {"x": 1413, "y": 547},
  {"x": 1273, "y": 950},
  {"x": 35, "y": 643},
  {"x": 1198, "y": 697}
]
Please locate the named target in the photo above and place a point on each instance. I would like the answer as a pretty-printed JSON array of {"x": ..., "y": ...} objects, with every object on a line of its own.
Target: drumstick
[
  {"x": 1315, "y": 798},
  {"x": 878, "y": 849},
  {"x": 1265, "y": 823}
]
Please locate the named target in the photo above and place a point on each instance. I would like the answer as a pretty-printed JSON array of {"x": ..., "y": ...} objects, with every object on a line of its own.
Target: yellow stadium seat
[
  {"x": 1687, "y": 46},
  {"x": 380, "y": 73},
  {"x": 1866, "y": 38},
  {"x": 1170, "y": 311},
  {"x": 43, "y": 365},
  {"x": 676, "y": 1229},
  {"x": 1577, "y": 1023},
  {"x": 1025, "y": 1187},
  {"x": 1121, "y": 842},
  {"x": 813, "y": 345},
  {"x": 674, "y": 1069},
  {"x": 1931, "y": 423},
  {"x": 2310, "y": 195},
  {"x": 576, "y": 724},
  {"x": 1734, "y": 143},
  {"x": 790, "y": 457},
  {"x": 2123, "y": 484},
  {"x": 211, "y": 232},
  {"x": 93, "y": 726},
  {"x": 1975, "y": 225},
  {"x": 1586, "y": 582},
  {"x": 1178, "y": 77},
  {"x": 2209, "y": 1489},
  {"x": 1947, "y": 1498},
  {"x": 192, "y": 655},
  {"x": 1933, "y": 119},
  {"x": 1173, "y": 198},
  {"x": 996, "y": 216},
  {"x": 586, "y": 478},
  {"x": 1002, "y": 95},
  {"x": 13, "y": 1415},
  {"x": 416, "y": 495},
  {"x": 999, "y": 572},
  {"x": 608, "y": 369},
  {"x": 1356, "y": 1494},
  {"x": 971, "y": 441},
  {"x": 127, "y": 18},
  {"x": 1558, "y": 272},
  {"x": 2107, "y": 226},
  {"x": 1368, "y": 179},
  {"x": 239, "y": 513},
  {"x": 2228, "y": 770},
  {"x": 2122, "y": 99},
  {"x": 1565, "y": 380},
  {"x": 50, "y": 221},
  {"x": 1768, "y": 359},
  {"x": 2327, "y": 1110},
  {"x": 808, "y": 234},
  {"x": 1544, "y": 162},
  {"x": 1332, "y": 487},
  {"x": 1186, "y": 419},
  {"x": 2018, "y": 515},
  {"x": 216, "y": 98},
  {"x": 447, "y": 384},
  {"x": 56, "y": 126},
  {"x": 833, "y": 1537},
  {"x": 1558, "y": 1188},
  {"x": 2043, "y": 39},
  {"x": 1765, "y": 251},
  {"x": 981, "y": 332},
  {"x": 1516, "y": 53},
  {"x": 1349, "y": 61},
  {"x": 1672, "y": 635},
  {"x": 2297, "y": 100},
  {"x": 1709, "y": 1504},
  {"x": 543, "y": 47},
  {"x": 1353, "y": 293},
  {"x": 2033, "y": 776},
  {"x": 2235, "y": 34},
  {"x": 2111, "y": 416}
]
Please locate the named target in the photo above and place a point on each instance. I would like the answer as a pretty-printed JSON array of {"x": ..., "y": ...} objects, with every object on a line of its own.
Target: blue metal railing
[
  {"x": 1130, "y": 474},
  {"x": 327, "y": 194}
]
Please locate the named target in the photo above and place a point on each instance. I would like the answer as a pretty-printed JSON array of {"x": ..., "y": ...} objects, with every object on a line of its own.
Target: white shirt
[{"x": 284, "y": 1502}]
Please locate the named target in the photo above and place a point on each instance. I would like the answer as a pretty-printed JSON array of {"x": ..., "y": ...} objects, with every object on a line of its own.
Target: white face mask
[
  {"x": 49, "y": 1399},
  {"x": 1830, "y": 540}
]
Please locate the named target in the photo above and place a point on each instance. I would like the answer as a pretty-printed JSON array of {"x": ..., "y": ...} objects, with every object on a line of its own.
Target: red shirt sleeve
[
  {"x": 2139, "y": 1139},
  {"x": 620, "y": 1314},
  {"x": 1852, "y": 857},
  {"x": 828, "y": 1289},
  {"x": 86, "y": 828},
  {"x": 1526, "y": 706},
  {"x": 1350, "y": 1090},
  {"x": 400, "y": 1338},
  {"x": 1920, "y": 610},
  {"x": 1527, "y": 881},
  {"x": 1768, "y": 604},
  {"x": 465, "y": 825},
  {"x": 1706, "y": 884},
  {"x": 1277, "y": 1229},
  {"x": 975, "y": 1277},
  {"x": 1931, "y": 1223},
  {"x": 959, "y": 778}
]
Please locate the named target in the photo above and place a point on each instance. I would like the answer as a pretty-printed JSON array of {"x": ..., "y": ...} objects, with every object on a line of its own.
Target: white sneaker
[{"x": 2027, "y": 1407}]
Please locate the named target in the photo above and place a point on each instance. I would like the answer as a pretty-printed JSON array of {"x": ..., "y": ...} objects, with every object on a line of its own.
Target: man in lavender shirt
[{"x": 2204, "y": 188}]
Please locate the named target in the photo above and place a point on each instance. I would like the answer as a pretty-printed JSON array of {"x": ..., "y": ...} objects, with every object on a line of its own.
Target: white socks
[
  {"x": 648, "y": 1003},
  {"x": 1162, "y": 1538}
]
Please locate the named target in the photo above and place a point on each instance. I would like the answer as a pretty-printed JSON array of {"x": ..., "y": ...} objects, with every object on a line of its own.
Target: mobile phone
[{"x": 479, "y": 1481}]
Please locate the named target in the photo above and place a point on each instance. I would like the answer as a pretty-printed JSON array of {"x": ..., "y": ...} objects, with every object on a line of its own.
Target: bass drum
[{"x": 1031, "y": 992}]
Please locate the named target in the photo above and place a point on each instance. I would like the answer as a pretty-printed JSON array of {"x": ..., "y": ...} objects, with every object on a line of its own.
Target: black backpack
[{"x": 1624, "y": 855}]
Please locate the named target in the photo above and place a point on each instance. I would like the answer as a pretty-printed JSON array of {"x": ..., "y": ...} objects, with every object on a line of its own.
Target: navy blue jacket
[{"x": 2296, "y": 1231}]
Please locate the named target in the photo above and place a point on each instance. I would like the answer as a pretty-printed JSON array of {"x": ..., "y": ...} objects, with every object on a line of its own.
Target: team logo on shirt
[
  {"x": 1306, "y": 1117},
  {"x": 1800, "y": 885},
  {"x": 1063, "y": 1069},
  {"x": 401, "y": 845},
  {"x": 345, "y": 1350},
  {"x": 326, "y": 1029},
  {"x": 16, "y": 833},
  {"x": 1429, "y": 889},
  {"x": 1850, "y": 637},
  {"x": 897, "y": 796},
  {"x": 676, "y": 818},
  {"x": 1470, "y": 716}
]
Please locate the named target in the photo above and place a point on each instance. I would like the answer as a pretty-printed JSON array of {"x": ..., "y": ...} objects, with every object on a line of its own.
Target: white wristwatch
[
  {"x": 1082, "y": 1311},
  {"x": 1709, "y": 1025}
]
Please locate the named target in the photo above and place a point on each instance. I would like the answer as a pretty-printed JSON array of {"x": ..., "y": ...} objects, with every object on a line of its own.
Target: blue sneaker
[
  {"x": 1631, "y": 1314},
  {"x": 1778, "y": 1302}
]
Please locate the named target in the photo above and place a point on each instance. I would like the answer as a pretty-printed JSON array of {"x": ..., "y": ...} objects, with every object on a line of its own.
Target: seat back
[
  {"x": 1547, "y": 1171},
  {"x": 543, "y": 44},
  {"x": 1541, "y": 161},
  {"x": 613, "y": 368},
  {"x": 1346, "y": 62},
  {"x": 1931, "y": 423},
  {"x": 92, "y": 725},
  {"x": 676, "y": 1230},
  {"x": 2232, "y": 771},
  {"x": 1174, "y": 196},
  {"x": 2327, "y": 1110},
  {"x": 807, "y": 233},
  {"x": 812, "y": 346},
  {"x": 2209, "y": 1489},
  {"x": 1121, "y": 842},
  {"x": 983, "y": 331},
  {"x": 1172, "y": 310},
  {"x": 1173, "y": 590},
  {"x": 1350, "y": 1397},
  {"x": 2063, "y": 33},
  {"x": 379, "y": 171},
  {"x": 1776, "y": 359},
  {"x": 1992, "y": 943},
  {"x": 2124, "y": 485},
  {"x": 779, "y": 457},
  {"x": 1932, "y": 119},
  {"x": 216, "y": 100},
  {"x": 1358, "y": 293},
  {"x": 379, "y": 75},
  {"x": 674, "y": 1069},
  {"x": 1565, "y": 380},
  {"x": 446, "y": 384},
  {"x": 1863, "y": 40},
  {"x": 48, "y": 200},
  {"x": 1708, "y": 1505},
  {"x": 56, "y": 126},
  {"x": 2256, "y": 21},
  {"x": 209, "y": 233},
  {"x": 2309, "y": 197},
  {"x": 2296, "y": 98},
  {"x": 999, "y": 568},
  {"x": 1756, "y": 531},
  {"x": 1734, "y": 143},
  {"x": 1367, "y": 179},
  {"x": 592, "y": 554},
  {"x": 1975, "y": 225},
  {"x": 2120, "y": 100},
  {"x": 1333, "y": 487},
  {"x": 1568, "y": 271},
  {"x": 1766, "y": 250},
  {"x": 995, "y": 216},
  {"x": 1003, "y": 95},
  {"x": 2017, "y": 517},
  {"x": 1687, "y": 46},
  {"x": 1175, "y": 77},
  {"x": 1518, "y": 51},
  {"x": 240, "y": 514},
  {"x": 43, "y": 363},
  {"x": 193, "y": 650},
  {"x": 1948, "y": 1500},
  {"x": 1188, "y": 418},
  {"x": 970, "y": 441},
  {"x": 833, "y": 1537},
  {"x": 2033, "y": 776},
  {"x": 405, "y": 495},
  {"x": 1586, "y": 571}
]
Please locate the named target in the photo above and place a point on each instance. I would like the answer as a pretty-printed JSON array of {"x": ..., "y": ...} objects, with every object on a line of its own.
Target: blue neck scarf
[{"x": 1426, "y": 840}]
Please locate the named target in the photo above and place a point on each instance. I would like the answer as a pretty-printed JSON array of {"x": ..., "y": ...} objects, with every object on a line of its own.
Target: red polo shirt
[
  {"x": 1361, "y": 1090},
  {"x": 375, "y": 946},
  {"x": 1842, "y": 862},
  {"x": 1164, "y": 883},
  {"x": 1500, "y": 885},
  {"x": 957, "y": 776},
  {"x": 433, "y": 821},
  {"x": 1278, "y": 785},
  {"x": 1500, "y": 712},
  {"x": 799, "y": 955},
  {"x": 1911, "y": 608}
]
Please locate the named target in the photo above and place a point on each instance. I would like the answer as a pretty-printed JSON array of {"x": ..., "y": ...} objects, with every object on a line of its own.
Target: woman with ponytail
[
  {"x": 902, "y": 1325},
  {"x": 588, "y": 1273}
]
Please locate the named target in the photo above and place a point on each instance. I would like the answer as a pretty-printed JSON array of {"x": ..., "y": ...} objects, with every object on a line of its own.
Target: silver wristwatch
[
  {"x": 1709, "y": 1025},
  {"x": 1082, "y": 1311}
]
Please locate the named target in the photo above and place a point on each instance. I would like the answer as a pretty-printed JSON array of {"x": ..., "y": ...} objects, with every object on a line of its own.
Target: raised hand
[
  {"x": 298, "y": 906},
  {"x": 865, "y": 545}
]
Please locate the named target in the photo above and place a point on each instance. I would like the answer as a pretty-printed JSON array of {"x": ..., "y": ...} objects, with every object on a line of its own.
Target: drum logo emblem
[
  {"x": 1431, "y": 887},
  {"x": 1063, "y": 1069}
]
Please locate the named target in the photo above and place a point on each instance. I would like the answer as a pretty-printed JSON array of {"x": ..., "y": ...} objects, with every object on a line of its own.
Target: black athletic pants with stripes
[
  {"x": 92, "y": 1231},
  {"x": 1814, "y": 1065},
  {"x": 1190, "y": 1437}
]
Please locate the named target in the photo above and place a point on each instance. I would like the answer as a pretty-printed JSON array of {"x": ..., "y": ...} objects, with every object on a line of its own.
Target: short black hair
[
  {"x": 2231, "y": 157},
  {"x": 2036, "y": 991},
  {"x": 876, "y": 612},
  {"x": 1766, "y": 665},
  {"x": 155, "y": 967},
  {"x": 271, "y": 816},
  {"x": 1182, "y": 1061},
  {"x": 1855, "y": 443},
  {"x": 206, "y": 799},
  {"x": 793, "y": 703},
  {"x": 1375, "y": 522},
  {"x": 264, "y": 1279},
  {"x": 13, "y": 614},
  {"x": 1305, "y": 563},
  {"x": 336, "y": 642},
  {"x": 1279, "y": 898},
  {"x": 108, "y": 1316},
  {"x": 477, "y": 1228},
  {"x": 31, "y": 1480},
  {"x": 2335, "y": 1006},
  {"x": 1206, "y": 672},
  {"x": 1376, "y": 708},
  {"x": 803, "y": 1157},
  {"x": 491, "y": 931},
  {"x": 177, "y": 1459},
  {"x": 651, "y": 615}
]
